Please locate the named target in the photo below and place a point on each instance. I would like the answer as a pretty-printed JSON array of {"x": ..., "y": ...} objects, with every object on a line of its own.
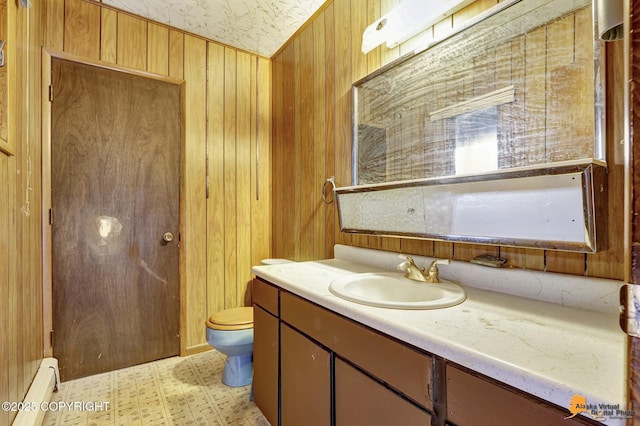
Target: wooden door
[{"x": 115, "y": 192}]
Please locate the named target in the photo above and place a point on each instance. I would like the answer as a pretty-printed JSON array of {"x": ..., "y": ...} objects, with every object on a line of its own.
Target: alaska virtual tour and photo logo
[{"x": 599, "y": 412}]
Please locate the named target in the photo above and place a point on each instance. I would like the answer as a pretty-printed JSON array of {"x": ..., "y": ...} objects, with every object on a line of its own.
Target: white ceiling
[{"x": 258, "y": 26}]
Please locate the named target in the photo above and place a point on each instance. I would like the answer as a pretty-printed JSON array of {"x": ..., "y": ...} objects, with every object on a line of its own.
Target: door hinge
[
  {"x": 50, "y": 216},
  {"x": 51, "y": 93},
  {"x": 630, "y": 309}
]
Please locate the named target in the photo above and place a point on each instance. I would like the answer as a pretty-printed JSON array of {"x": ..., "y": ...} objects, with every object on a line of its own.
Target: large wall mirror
[{"x": 515, "y": 93}]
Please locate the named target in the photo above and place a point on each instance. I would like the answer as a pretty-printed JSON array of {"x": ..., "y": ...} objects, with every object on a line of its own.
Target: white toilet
[{"x": 231, "y": 332}]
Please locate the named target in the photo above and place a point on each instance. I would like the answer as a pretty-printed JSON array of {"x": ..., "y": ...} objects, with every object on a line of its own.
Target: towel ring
[{"x": 324, "y": 190}]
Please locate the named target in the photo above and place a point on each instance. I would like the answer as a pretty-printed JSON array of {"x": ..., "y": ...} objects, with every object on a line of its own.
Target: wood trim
[
  {"x": 111, "y": 66},
  {"x": 196, "y": 349},
  {"x": 184, "y": 302},
  {"x": 47, "y": 300}
]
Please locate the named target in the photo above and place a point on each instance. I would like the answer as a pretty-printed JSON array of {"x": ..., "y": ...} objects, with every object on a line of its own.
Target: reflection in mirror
[
  {"x": 372, "y": 153},
  {"x": 520, "y": 87},
  {"x": 476, "y": 141}
]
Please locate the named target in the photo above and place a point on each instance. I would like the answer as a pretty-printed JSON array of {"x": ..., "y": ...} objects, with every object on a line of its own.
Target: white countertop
[{"x": 551, "y": 350}]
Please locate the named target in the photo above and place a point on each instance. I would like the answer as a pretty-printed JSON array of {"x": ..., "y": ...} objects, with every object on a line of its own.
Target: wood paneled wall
[
  {"x": 226, "y": 225},
  {"x": 312, "y": 78},
  {"x": 20, "y": 210}
]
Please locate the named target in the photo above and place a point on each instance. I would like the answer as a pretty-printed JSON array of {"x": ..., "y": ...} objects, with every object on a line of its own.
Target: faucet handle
[
  {"x": 407, "y": 258},
  {"x": 433, "y": 274},
  {"x": 411, "y": 262}
]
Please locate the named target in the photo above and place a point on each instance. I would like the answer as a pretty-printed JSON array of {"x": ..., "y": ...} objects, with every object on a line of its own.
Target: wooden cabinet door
[
  {"x": 265, "y": 363},
  {"x": 474, "y": 401},
  {"x": 360, "y": 400},
  {"x": 401, "y": 367},
  {"x": 305, "y": 380}
]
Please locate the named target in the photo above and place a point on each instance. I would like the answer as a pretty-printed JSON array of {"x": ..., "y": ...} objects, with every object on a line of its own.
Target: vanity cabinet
[
  {"x": 398, "y": 366},
  {"x": 313, "y": 366},
  {"x": 332, "y": 370}
]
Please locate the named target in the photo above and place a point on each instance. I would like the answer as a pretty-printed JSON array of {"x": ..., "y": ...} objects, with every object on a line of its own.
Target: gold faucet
[
  {"x": 413, "y": 272},
  {"x": 433, "y": 274}
]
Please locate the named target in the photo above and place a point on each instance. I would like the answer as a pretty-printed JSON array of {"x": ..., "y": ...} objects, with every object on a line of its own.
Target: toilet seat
[{"x": 232, "y": 319}]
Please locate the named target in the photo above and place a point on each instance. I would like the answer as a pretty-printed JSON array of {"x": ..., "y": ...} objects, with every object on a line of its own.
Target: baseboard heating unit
[{"x": 43, "y": 385}]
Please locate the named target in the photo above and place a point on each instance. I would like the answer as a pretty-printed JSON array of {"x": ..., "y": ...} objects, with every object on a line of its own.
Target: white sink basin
[{"x": 393, "y": 290}]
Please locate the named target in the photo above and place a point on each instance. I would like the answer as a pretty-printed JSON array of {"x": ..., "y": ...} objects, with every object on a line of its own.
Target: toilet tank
[{"x": 275, "y": 261}]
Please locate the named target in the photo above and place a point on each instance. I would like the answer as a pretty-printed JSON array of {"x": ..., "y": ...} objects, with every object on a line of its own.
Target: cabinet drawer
[
  {"x": 360, "y": 400},
  {"x": 266, "y": 296},
  {"x": 475, "y": 401},
  {"x": 401, "y": 367}
]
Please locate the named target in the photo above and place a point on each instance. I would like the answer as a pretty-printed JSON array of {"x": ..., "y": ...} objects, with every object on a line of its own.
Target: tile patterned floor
[{"x": 174, "y": 391}]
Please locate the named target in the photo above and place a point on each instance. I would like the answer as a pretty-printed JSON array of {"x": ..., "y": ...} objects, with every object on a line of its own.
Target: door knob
[{"x": 167, "y": 237}]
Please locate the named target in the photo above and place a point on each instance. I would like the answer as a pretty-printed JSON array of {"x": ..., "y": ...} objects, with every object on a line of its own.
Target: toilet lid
[{"x": 232, "y": 319}]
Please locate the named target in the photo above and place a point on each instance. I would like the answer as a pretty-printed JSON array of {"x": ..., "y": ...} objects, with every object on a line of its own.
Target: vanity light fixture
[
  {"x": 406, "y": 20},
  {"x": 609, "y": 16}
]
